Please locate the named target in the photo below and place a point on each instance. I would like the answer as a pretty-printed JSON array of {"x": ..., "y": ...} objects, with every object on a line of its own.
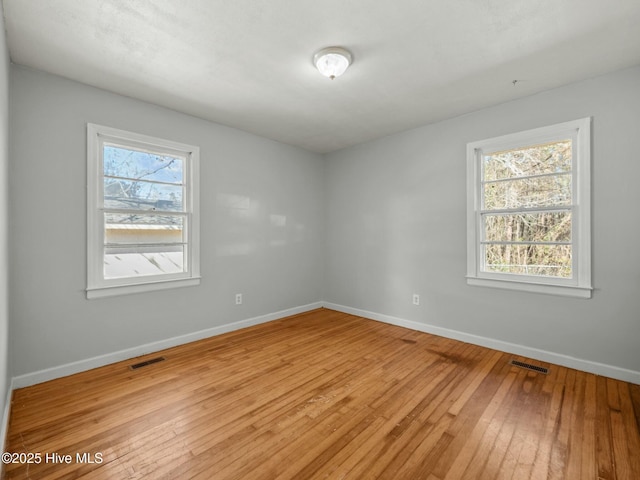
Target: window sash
[
  {"x": 482, "y": 215},
  {"x": 159, "y": 182}
]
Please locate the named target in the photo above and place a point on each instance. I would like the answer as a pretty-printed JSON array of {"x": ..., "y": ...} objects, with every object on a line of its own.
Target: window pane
[
  {"x": 130, "y": 261},
  {"x": 136, "y": 165},
  {"x": 529, "y": 227},
  {"x": 141, "y": 195},
  {"x": 542, "y": 260},
  {"x": 528, "y": 192},
  {"x": 534, "y": 160},
  {"x": 143, "y": 229}
]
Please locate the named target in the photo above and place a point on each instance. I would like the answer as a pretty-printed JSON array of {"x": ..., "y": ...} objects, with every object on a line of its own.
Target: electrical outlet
[
  {"x": 238, "y": 299},
  {"x": 416, "y": 299}
]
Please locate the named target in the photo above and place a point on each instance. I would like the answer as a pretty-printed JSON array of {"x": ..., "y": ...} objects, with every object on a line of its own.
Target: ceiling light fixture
[{"x": 332, "y": 61}]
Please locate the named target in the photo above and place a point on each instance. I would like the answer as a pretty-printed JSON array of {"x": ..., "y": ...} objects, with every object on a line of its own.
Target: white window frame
[
  {"x": 99, "y": 286},
  {"x": 580, "y": 284}
]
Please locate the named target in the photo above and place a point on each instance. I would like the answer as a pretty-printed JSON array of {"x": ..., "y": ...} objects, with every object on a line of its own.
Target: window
[
  {"x": 528, "y": 210},
  {"x": 143, "y": 223}
]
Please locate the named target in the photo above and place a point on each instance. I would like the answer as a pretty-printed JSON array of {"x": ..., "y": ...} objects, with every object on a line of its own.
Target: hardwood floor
[{"x": 328, "y": 395}]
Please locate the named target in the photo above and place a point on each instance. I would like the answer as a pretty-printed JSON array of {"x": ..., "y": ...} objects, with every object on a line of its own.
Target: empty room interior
[{"x": 300, "y": 240}]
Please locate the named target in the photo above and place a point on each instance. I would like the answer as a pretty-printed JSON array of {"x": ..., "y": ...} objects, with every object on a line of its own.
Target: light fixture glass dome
[{"x": 332, "y": 61}]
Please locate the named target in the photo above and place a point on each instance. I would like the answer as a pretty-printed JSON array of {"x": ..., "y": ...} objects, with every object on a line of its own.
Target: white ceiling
[{"x": 247, "y": 63}]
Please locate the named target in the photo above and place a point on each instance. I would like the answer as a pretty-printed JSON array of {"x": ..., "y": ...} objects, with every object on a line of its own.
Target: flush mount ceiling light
[{"x": 332, "y": 61}]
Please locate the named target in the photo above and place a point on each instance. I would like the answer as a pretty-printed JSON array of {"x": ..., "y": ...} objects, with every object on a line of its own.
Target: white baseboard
[
  {"x": 101, "y": 360},
  {"x": 4, "y": 426},
  {"x": 522, "y": 350},
  {"x": 529, "y": 352}
]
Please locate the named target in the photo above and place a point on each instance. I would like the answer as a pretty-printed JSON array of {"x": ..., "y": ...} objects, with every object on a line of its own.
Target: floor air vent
[
  {"x": 528, "y": 366},
  {"x": 151, "y": 361}
]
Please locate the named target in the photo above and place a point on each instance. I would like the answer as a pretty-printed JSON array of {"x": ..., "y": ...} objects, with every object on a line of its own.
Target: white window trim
[
  {"x": 580, "y": 285},
  {"x": 97, "y": 285}
]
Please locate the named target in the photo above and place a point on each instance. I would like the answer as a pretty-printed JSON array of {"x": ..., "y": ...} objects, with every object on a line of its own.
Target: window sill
[
  {"x": 111, "y": 291},
  {"x": 560, "y": 290}
]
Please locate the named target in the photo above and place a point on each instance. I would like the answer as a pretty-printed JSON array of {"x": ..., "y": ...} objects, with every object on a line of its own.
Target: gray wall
[
  {"x": 396, "y": 226},
  {"x": 4, "y": 221},
  {"x": 365, "y": 227},
  {"x": 245, "y": 180}
]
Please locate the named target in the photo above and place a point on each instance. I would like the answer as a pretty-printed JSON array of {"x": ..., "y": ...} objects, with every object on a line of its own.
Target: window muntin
[
  {"x": 143, "y": 219},
  {"x": 528, "y": 208}
]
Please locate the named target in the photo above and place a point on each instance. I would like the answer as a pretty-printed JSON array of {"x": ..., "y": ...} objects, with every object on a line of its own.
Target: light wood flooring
[{"x": 328, "y": 395}]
